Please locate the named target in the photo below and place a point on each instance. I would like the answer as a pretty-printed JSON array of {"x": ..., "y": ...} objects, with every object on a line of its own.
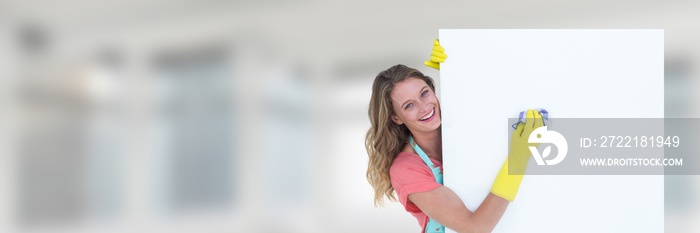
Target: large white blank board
[{"x": 491, "y": 75}]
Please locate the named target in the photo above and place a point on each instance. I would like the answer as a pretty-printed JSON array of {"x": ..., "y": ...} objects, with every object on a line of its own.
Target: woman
[{"x": 404, "y": 145}]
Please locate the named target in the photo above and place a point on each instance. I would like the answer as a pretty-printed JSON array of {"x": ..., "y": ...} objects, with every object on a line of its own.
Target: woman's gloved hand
[
  {"x": 437, "y": 56},
  {"x": 505, "y": 185}
]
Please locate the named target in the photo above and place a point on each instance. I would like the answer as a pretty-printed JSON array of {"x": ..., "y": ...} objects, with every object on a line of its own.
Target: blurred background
[{"x": 246, "y": 116}]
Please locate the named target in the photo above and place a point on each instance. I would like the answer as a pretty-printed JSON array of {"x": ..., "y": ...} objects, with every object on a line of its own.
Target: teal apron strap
[{"x": 432, "y": 226}]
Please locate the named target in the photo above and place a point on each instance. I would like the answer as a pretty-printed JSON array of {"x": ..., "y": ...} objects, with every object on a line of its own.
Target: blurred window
[{"x": 194, "y": 121}]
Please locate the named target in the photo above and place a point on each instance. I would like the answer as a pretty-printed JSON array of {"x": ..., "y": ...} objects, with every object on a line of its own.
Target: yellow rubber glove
[
  {"x": 437, "y": 56},
  {"x": 506, "y": 186}
]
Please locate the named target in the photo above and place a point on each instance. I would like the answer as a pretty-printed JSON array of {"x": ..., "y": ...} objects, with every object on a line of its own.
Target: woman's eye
[
  {"x": 408, "y": 106},
  {"x": 424, "y": 93}
]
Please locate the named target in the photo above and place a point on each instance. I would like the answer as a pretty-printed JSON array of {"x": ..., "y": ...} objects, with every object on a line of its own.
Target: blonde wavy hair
[{"x": 385, "y": 139}]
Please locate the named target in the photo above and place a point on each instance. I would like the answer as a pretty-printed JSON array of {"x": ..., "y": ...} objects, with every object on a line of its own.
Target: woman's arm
[{"x": 445, "y": 207}]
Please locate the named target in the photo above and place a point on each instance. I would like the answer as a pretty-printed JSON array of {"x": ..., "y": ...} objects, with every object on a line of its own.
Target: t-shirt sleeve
[{"x": 411, "y": 176}]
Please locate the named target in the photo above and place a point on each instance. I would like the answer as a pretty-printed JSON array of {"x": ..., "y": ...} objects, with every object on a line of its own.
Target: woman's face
[{"x": 415, "y": 105}]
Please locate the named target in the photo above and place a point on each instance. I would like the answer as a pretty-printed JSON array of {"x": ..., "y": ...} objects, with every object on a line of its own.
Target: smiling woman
[
  {"x": 386, "y": 138},
  {"x": 415, "y": 104},
  {"x": 404, "y": 145}
]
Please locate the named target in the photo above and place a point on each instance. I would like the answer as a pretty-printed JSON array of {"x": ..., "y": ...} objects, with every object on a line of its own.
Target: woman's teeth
[{"x": 428, "y": 116}]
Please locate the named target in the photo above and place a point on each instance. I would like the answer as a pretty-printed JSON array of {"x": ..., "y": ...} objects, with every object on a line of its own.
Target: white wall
[{"x": 491, "y": 75}]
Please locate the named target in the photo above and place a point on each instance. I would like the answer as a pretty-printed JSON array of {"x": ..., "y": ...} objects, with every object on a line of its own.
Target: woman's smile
[
  {"x": 428, "y": 116},
  {"x": 416, "y": 106}
]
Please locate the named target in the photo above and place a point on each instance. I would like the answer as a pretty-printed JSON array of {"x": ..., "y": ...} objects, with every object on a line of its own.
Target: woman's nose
[{"x": 423, "y": 106}]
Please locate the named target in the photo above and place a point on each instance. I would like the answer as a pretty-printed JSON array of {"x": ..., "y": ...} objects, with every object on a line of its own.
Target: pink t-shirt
[{"x": 409, "y": 174}]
